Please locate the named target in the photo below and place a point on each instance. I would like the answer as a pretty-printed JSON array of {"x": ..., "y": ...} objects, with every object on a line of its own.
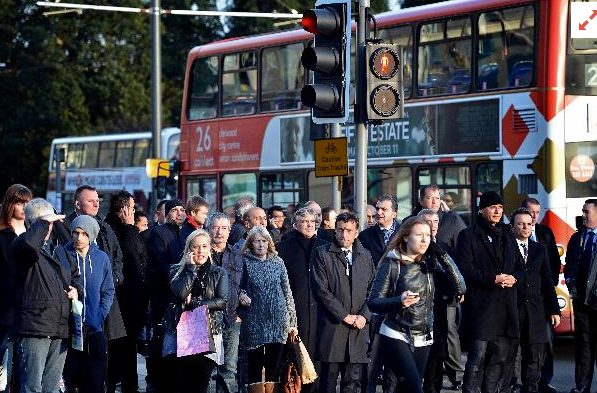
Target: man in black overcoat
[
  {"x": 296, "y": 254},
  {"x": 537, "y": 301},
  {"x": 486, "y": 256},
  {"x": 580, "y": 272},
  {"x": 341, "y": 276},
  {"x": 543, "y": 235}
]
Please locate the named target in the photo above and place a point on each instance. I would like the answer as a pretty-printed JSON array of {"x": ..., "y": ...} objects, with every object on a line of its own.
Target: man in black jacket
[
  {"x": 133, "y": 295},
  {"x": 296, "y": 253},
  {"x": 45, "y": 288},
  {"x": 341, "y": 276},
  {"x": 164, "y": 249},
  {"x": 487, "y": 255},
  {"x": 238, "y": 228},
  {"x": 543, "y": 235},
  {"x": 580, "y": 272},
  {"x": 537, "y": 301}
]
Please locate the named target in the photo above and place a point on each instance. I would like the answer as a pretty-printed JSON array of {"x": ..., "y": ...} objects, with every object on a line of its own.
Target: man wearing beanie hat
[
  {"x": 86, "y": 370},
  {"x": 487, "y": 255},
  {"x": 165, "y": 249}
]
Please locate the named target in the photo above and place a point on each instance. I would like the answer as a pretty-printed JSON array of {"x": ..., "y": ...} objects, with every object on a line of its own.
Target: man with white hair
[{"x": 45, "y": 288}]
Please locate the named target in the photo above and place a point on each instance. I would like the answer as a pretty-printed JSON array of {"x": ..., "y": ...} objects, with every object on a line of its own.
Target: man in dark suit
[
  {"x": 543, "y": 235},
  {"x": 375, "y": 239},
  {"x": 537, "y": 301},
  {"x": 486, "y": 257},
  {"x": 580, "y": 272}
]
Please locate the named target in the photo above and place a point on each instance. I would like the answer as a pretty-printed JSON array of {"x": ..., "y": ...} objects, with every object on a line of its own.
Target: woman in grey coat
[{"x": 268, "y": 314}]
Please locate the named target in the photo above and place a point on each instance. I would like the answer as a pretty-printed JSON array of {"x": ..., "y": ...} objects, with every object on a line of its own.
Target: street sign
[{"x": 331, "y": 157}]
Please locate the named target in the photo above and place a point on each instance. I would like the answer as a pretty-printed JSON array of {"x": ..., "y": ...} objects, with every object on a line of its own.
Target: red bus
[{"x": 497, "y": 97}]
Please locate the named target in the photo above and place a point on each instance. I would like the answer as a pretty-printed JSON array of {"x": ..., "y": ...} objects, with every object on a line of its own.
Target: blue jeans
[
  {"x": 41, "y": 360},
  {"x": 227, "y": 371}
]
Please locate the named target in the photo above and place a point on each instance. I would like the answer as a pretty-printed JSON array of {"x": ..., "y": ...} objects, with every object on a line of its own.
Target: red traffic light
[
  {"x": 384, "y": 63},
  {"x": 324, "y": 21}
]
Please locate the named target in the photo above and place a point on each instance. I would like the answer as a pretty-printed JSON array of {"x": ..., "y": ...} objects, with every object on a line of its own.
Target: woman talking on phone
[{"x": 403, "y": 290}]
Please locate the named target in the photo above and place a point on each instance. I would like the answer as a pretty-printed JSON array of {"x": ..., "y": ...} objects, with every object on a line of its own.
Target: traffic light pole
[
  {"x": 156, "y": 91},
  {"x": 336, "y": 180},
  {"x": 362, "y": 137}
]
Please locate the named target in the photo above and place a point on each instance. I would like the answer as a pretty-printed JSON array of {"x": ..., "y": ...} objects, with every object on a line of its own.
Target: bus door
[{"x": 207, "y": 187}]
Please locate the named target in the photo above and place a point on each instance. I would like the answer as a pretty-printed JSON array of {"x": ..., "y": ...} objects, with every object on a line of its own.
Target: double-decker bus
[
  {"x": 497, "y": 98},
  {"x": 110, "y": 163}
]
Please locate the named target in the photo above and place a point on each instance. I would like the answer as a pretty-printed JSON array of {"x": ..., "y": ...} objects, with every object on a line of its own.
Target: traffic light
[
  {"x": 385, "y": 92},
  {"x": 329, "y": 59}
]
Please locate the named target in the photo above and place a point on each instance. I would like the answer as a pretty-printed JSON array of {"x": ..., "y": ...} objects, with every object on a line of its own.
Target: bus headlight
[{"x": 562, "y": 302}]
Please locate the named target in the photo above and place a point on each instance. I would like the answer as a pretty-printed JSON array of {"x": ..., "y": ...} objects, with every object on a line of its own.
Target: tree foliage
[{"x": 416, "y": 3}]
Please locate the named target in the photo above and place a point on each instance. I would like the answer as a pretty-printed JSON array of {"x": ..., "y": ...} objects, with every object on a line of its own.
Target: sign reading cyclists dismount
[{"x": 331, "y": 157}]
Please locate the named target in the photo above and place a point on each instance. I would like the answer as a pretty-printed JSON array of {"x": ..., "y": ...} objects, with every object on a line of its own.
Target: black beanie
[
  {"x": 171, "y": 204},
  {"x": 490, "y": 198}
]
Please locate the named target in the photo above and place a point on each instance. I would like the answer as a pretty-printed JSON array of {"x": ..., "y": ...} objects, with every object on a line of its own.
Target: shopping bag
[
  {"x": 193, "y": 333},
  {"x": 291, "y": 379},
  {"x": 307, "y": 369},
  {"x": 77, "y": 331}
]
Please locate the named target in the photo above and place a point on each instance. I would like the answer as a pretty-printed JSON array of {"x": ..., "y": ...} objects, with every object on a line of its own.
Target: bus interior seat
[
  {"x": 521, "y": 74},
  {"x": 460, "y": 81},
  {"x": 488, "y": 76}
]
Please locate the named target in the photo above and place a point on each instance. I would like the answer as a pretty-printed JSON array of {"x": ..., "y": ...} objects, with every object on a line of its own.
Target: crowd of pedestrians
[{"x": 386, "y": 300}]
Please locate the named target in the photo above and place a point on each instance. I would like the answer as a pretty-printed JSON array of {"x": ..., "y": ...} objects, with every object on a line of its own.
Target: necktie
[
  {"x": 525, "y": 251},
  {"x": 348, "y": 264},
  {"x": 533, "y": 236}
]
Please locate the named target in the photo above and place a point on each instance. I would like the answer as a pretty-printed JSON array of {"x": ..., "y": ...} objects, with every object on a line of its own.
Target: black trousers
[
  {"x": 434, "y": 374},
  {"x": 406, "y": 363},
  {"x": 192, "y": 373},
  {"x": 86, "y": 371},
  {"x": 122, "y": 364},
  {"x": 453, "y": 362},
  {"x": 268, "y": 356},
  {"x": 547, "y": 369},
  {"x": 375, "y": 365},
  {"x": 487, "y": 365},
  {"x": 350, "y": 377},
  {"x": 585, "y": 337}
]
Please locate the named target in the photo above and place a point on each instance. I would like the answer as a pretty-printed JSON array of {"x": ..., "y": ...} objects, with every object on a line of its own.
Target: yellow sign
[
  {"x": 155, "y": 167},
  {"x": 331, "y": 157}
]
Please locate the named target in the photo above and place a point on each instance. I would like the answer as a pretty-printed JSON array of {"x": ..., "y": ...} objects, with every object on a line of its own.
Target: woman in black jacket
[
  {"x": 403, "y": 290},
  {"x": 195, "y": 282}
]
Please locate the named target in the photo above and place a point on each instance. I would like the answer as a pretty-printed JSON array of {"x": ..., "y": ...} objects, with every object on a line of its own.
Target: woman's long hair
[
  {"x": 398, "y": 242},
  {"x": 271, "y": 248},
  {"x": 17, "y": 193},
  {"x": 187, "y": 246}
]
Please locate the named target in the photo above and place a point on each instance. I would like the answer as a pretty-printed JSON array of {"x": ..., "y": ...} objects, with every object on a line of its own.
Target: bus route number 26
[{"x": 203, "y": 139}]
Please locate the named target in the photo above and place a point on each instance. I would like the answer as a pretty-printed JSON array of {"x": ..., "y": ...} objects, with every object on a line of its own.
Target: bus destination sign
[{"x": 331, "y": 157}]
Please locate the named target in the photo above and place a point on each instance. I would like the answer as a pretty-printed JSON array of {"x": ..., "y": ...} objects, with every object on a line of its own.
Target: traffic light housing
[
  {"x": 385, "y": 93},
  {"x": 329, "y": 59}
]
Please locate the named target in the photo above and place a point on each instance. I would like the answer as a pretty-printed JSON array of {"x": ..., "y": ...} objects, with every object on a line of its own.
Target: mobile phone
[{"x": 414, "y": 294}]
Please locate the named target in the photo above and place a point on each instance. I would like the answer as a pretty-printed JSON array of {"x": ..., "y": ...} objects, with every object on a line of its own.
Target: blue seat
[
  {"x": 521, "y": 74},
  {"x": 460, "y": 81},
  {"x": 488, "y": 76}
]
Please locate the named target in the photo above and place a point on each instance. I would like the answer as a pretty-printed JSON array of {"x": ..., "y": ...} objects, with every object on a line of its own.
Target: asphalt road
[{"x": 563, "y": 367}]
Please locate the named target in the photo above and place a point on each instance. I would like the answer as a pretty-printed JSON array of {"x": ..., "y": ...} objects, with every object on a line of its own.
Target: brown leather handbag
[{"x": 291, "y": 378}]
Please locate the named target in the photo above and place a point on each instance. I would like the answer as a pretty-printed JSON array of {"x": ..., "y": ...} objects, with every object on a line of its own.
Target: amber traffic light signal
[{"x": 385, "y": 93}]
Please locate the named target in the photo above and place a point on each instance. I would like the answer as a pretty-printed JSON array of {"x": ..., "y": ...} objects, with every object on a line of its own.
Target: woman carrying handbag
[
  {"x": 196, "y": 283},
  {"x": 268, "y": 314}
]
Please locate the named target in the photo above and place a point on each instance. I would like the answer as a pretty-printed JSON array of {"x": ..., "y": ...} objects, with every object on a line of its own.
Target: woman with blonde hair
[
  {"x": 268, "y": 314},
  {"x": 195, "y": 282},
  {"x": 403, "y": 290}
]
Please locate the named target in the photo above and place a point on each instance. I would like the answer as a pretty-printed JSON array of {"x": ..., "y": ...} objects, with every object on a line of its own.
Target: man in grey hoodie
[{"x": 86, "y": 370}]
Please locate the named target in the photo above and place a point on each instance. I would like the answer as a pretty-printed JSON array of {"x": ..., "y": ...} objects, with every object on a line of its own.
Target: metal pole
[
  {"x": 336, "y": 180},
  {"x": 156, "y": 93},
  {"x": 57, "y": 160},
  {"x": 360, "y": 170}
]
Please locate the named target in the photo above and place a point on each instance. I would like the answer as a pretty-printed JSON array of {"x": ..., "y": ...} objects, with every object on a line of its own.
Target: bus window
[
  {"x": 454, "y": 183},
  {"x": 141, "y": 152},
  {"x": 90, "y": 155},
  {"x": 444, "y": 61},
  {"x": 489, "y": 177},
  {"x": 203, "y": 92},
  {"x": 239, "y": 84},
  {"x": 506, "y": 48},
  {"x": 236, "y": 185},
  {"x": 281, "y": 189},
  {"x": 282, "y": 78},
  {"x": 173, "y": 147},
  {"x": 124, "y": 153},
  {"x": 393, "y": 181},
  {"x": 206, "y": 187},
  {"x": 107, "y": 153},
  {"x": 73, "y": 155},
  {"x": 403, "y": 36}
]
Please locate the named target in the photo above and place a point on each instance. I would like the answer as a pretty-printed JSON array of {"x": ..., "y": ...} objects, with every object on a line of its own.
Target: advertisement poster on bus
[{"x": 468, "y": 127}]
